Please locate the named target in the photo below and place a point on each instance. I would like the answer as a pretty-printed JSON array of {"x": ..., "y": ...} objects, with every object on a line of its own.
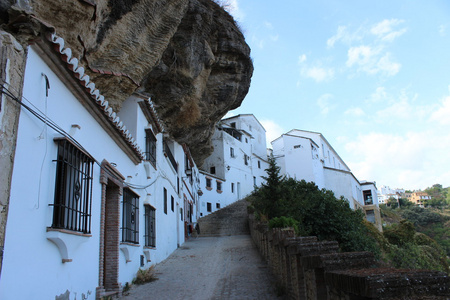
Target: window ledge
[
  {"x": 209, "y": 189},
  {"x": 66, "y": 240},
  {"x": 129, "y": 244},
  {"x": 219, "y": 191},
  {"x": 150, "y": 247}
]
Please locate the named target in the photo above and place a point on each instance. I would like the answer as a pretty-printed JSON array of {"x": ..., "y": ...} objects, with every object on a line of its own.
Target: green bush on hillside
[{"x": 318, "y": 212}]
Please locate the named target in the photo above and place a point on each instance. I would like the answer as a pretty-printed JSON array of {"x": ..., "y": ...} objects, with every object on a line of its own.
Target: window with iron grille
[
  {"x": 130, "y": 217},
  {"x": 172, "y": 203},
  {"x": 73, "y": 188},
  {"x": 150, "y": 146},
  {"x": 150, "y": 229}
]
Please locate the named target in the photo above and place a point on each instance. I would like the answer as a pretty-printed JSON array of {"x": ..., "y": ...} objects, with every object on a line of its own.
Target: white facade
[
  {"x": 238, "y": 162},
  {"x": 43, "y": 260},
  {"x": 308, "y": 155}
]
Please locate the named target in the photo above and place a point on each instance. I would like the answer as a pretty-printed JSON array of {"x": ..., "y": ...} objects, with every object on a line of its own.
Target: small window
[
  {"x": 254, "y": 180},
  {"x": 259, "y": 164},
  {"x": 130, "y": 217},
  {"x": 73, "y": 188},
  {"x": 232, "y": 187},
  {"x": 150, "y": 146},
  {"x": 150, "y": 232},
  {"x": 208, "y": 207},
  {"x": 208, "y": 182},
  {"x": 245, "y": 159},
  {"x": 212, "y": 170},
  {"x": 219, "y": 185},
  {"x": 172, "y": 203},
  {"x": 233, "y": 124},
  {"x": 246, "y": 140},
  {"x": 165, "y": 201},
  {"x": 297, "y": 146},
  {"x": 231, "y": 152},
  {"x": 218, "y": 205}
]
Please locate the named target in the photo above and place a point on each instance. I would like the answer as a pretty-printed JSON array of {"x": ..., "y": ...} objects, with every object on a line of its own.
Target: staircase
[{"x": 230, "y": 220}]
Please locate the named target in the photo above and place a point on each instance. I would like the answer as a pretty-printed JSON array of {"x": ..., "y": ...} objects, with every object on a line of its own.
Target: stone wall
[
  {"x": 12, "y": 66},
  {"x": 310, "y": 269}
]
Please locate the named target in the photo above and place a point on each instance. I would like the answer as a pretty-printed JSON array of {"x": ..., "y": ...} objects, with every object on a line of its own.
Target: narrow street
[{"x": 224, "y": 267}]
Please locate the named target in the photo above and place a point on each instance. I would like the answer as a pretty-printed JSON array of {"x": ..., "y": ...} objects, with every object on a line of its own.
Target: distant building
[
  {"x": 237, "y": 164},
  {"x": 420, "y": 198},
  {"x": 308, "y": 155}
]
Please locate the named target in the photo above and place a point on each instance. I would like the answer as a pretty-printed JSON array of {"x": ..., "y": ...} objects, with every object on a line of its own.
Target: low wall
[{"x": 310, "y": 269}]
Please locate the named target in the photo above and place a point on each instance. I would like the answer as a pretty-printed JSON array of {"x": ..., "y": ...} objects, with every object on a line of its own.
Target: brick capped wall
[{"x": 311, "y": 269}]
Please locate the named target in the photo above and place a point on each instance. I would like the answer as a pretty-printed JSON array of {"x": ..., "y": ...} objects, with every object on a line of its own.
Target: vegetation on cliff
[{"x": 285, "y": 202}]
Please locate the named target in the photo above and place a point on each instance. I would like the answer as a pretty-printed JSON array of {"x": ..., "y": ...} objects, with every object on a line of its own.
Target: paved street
[{"x": 226, "y": 267}]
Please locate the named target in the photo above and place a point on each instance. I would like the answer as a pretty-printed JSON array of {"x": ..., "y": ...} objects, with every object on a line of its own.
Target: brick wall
[{"x": 311, "y": 269}]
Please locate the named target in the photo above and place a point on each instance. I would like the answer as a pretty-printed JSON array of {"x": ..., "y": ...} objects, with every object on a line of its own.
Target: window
[
  {"x": 168, "y": 152},
  {"x": 367, "y": 197},
  {"x": 172, "y": 203},
  {"x": 208, "y": 183},
  {"x": 165, "y": 201},
  {"x": 219, "y": 186},
  {"x": 150, "y": 229},
  {"x": 233, "y": 125},
  {"x": 150, "y": 146},
  {"x": 259, "y": 164},
  {"x": 208, "y": 207},
  {"x": 254, "y": 180},
  {"x": 232, "y": 187},
  {"x": 73, "y": 188},
  {"x": 246, "y": 140},
  {"x": 218, "y": 205},
  {"x": 246, "y": 159},
  {"x": 212, "y": 170},
  {"x": 130, "y": 217},
  {"x": 231, "y": 152}
]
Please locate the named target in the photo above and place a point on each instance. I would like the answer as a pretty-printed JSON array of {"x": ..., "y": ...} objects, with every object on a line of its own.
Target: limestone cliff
[{"x": 187, "y": 55}]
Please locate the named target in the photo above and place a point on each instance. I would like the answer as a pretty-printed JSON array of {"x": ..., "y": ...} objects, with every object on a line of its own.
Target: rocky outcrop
[{"x": 187, "y": 55}]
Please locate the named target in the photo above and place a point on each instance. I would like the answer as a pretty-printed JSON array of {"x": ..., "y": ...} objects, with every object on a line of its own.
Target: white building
[
  {"x": 237, "y": 164},
  {"x": 89, "y": 208},
  {"x": 307, "y": 155}
]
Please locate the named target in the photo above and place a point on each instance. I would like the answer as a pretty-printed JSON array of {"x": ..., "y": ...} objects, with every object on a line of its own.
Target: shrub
[
  {"x": 283, "y": 222},
  {"x": 145, "y": 275}
]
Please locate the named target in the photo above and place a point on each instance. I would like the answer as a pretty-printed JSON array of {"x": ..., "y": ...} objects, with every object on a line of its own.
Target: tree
[
  {"x": 266, "y": 197},
  {"x": 392, "y": 202}
]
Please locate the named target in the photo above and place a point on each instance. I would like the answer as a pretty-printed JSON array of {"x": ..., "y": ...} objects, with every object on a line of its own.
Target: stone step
[{"x": 230, "y": 220}]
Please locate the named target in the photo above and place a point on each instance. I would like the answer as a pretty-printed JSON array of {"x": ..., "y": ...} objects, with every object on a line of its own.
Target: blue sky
[{"x": 372, "y": 76}]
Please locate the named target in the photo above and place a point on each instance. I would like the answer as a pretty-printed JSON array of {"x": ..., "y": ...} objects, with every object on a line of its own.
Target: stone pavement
[{"x": 224, "y": 267}]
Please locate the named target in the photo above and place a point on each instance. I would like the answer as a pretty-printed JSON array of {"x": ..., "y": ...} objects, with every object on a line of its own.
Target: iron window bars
[
  {"x": 73, "y": 188},
  {"x": 130, "y": 217},
  {"x": 169, "y": 155},
  {"x": 150, "y": 146},
  {"x": 150, "y": 232}
]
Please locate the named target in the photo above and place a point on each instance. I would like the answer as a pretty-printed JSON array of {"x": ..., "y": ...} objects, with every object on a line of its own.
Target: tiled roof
[{"x": 97, "y": 97}]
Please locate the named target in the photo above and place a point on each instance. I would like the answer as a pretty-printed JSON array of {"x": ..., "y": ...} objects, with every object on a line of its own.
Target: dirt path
[{"x": 227, "y": 267}]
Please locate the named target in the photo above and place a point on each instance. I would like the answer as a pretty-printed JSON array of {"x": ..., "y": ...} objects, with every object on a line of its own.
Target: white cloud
[
  {"x": 416, "y": 160},
  {"x": 274, "y": 38},
  {"x": 232, "y": 7},
  {"x": 442, "y": 114},
  {"x": 318, "y": 73},
  {"x": 345, "y": 36},
  {"x": 385, "y": 30},
  {"x": 372, "y": 60},
  {"x": 268, "y": 25},
  {"x": 442, "y": 30},
  {"x": 273, "y": 131},
  {"x": 379, "y": 95},
  {"x": 341, "y": 32},
  {"x": 362, "y": 56},
  {"x": 386, "y": 65},
  {"x": 324, "y": 103},
  {"x": 302, "y": 58},
  {"x": 355, "y": 112}
]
